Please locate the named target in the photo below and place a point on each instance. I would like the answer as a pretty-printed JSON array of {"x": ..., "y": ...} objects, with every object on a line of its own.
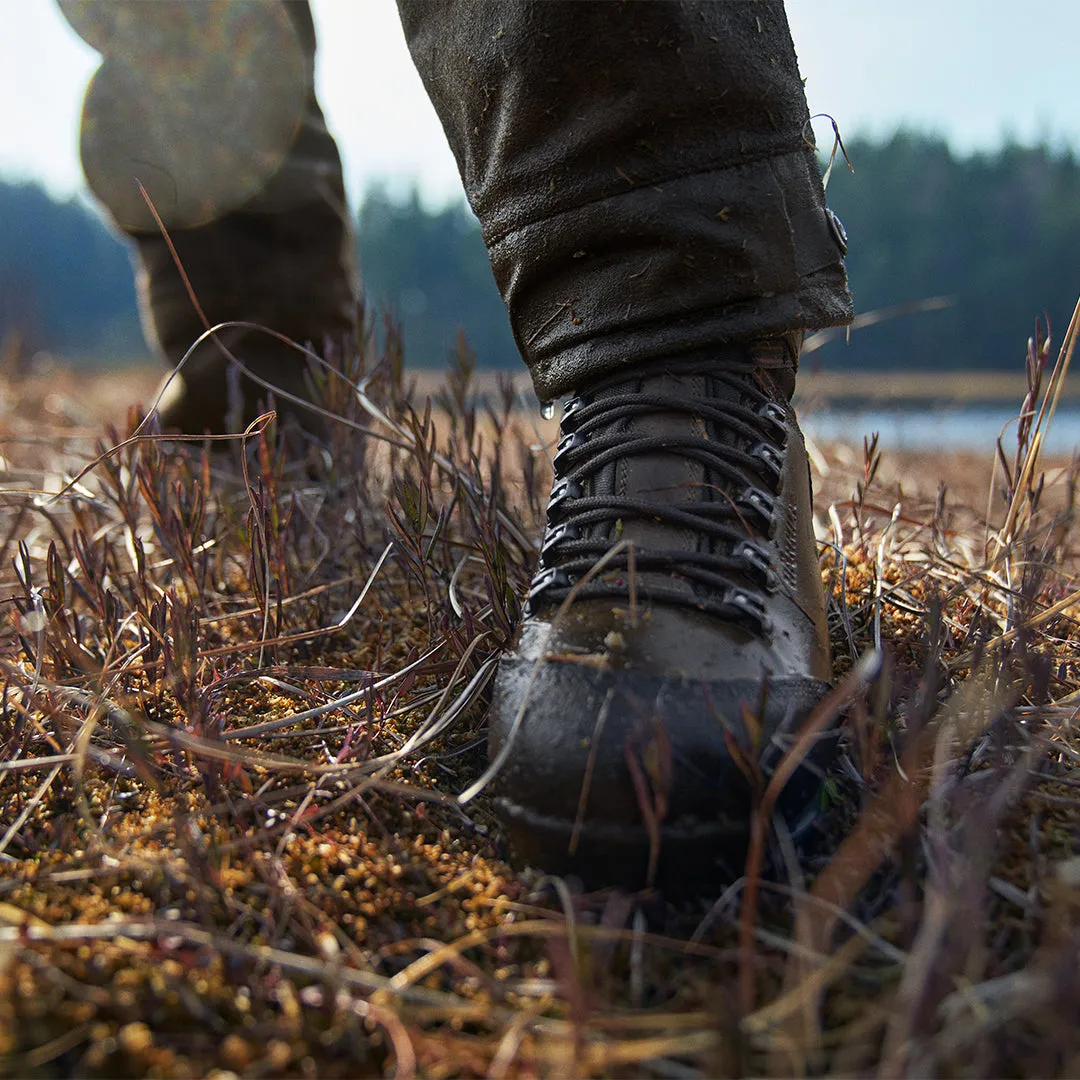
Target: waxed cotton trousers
[{"x": 643, "y": 173}]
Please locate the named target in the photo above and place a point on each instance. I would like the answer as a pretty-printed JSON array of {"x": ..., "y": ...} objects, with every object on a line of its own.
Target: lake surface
[{"x": 974, "y": 427}]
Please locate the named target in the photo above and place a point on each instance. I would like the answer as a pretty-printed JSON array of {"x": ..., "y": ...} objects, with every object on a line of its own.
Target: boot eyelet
[
  {"x": 772, "y": 412},
  {"x": 756, "y": 564},
  {"x": 757, "y": 503},
  {"x": 557, "y": 535},
  {"x": 571, "y": 410},
  {"x": 554, "y": 576},
  {"x": 751, "y": 608},
  {"x": 570, "y": 442},
  {"x": 771, "y": 459},
  {"x": 562, "y": 491}
]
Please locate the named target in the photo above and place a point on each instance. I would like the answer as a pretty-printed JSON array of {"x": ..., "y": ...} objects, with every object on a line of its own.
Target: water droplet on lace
[{"x": 547, "y": 410}]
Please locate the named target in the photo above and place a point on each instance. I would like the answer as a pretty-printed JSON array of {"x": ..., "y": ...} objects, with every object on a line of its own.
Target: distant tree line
[
  {"x": 999, "y": 232},
  {"x": 65, "y": 280}
]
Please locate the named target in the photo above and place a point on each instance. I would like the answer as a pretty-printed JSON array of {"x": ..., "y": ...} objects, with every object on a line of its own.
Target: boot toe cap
[{"x": 597, "y": 762}]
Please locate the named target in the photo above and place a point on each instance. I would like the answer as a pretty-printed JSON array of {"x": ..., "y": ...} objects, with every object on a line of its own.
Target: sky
[{"x": 975, "y": 71}]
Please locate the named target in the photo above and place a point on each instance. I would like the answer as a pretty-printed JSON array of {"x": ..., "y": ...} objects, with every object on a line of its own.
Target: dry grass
[{"x": 237, "y": 708}]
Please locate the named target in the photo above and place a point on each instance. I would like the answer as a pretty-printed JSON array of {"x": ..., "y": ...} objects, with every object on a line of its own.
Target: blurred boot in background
[{"x": 212, "y": 108}]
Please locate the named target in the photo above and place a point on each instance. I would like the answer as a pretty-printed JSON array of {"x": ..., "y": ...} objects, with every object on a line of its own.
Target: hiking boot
[
  {"x": 211, "y": 107},
  {"x": 642, "y": 705},
  {"x": 292, "y": 272}
]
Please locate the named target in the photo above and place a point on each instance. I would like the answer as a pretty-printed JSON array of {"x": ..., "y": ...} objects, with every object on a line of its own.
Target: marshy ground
[{"x": 240, "y": 698}]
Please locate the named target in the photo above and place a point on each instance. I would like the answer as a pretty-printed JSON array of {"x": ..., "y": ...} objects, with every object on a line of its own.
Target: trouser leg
[
  {"x": 640, "y": 170},
  {"x": 212, "y": 107}
]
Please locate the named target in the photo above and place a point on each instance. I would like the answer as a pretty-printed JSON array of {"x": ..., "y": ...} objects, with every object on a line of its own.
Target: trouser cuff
[{"x": 746, "y": 251}]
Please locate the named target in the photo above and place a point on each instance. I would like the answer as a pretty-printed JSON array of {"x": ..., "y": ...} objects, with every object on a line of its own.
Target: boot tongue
[
  {"x": 672, "y": 477},
  {"x": 666, "y": 478}
]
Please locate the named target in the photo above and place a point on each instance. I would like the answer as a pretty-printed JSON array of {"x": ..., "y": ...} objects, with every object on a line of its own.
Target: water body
[{"x": 952, "y": 427}]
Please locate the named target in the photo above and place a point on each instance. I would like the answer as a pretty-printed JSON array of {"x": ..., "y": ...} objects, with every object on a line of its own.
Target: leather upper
[{"x": 719, "y": 651}]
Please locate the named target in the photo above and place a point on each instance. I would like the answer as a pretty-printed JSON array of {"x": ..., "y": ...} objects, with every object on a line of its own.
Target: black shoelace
[{"x": 734, "y": 573}]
